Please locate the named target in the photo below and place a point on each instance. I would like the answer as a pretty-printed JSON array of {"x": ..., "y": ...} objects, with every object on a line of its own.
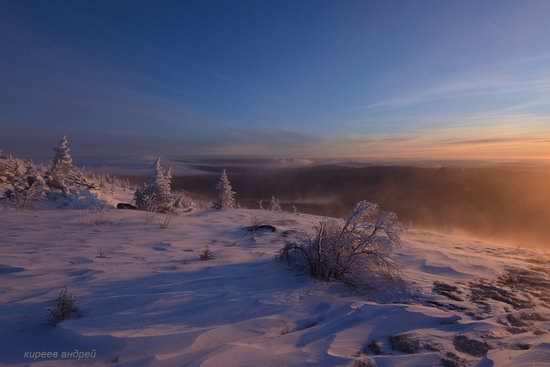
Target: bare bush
[
  {"x": 101, "y": 254},
  {"x": 65, "y": 306},
  {"x": 359, "y": 248},
  {"x": 206, "y": 254},
  {"x": 95, "y": 216},
  {"x": 151, "y": 209},
  {"x": 258, "y": 219},
  {"x": 166, "y": 220}
]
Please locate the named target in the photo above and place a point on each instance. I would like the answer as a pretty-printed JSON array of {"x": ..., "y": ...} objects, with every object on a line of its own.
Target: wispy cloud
[{"x": 514, "y": 77}]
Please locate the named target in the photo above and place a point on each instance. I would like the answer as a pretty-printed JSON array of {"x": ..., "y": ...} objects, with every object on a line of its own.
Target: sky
[{"x": 451, "y": 79}]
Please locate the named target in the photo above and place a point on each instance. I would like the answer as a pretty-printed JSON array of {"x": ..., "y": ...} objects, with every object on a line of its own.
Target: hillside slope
[{"x": 151, "y": 302}]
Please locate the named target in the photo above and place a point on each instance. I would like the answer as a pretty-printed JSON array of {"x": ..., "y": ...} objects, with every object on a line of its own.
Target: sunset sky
[{"x": 382, "y": 79}]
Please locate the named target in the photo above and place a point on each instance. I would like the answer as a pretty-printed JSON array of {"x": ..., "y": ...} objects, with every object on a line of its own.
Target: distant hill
[{"x": 501, "y": 203}]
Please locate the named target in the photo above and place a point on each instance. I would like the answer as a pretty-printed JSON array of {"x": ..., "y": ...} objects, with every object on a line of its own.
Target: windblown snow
[{"x": 146, "y": 299}]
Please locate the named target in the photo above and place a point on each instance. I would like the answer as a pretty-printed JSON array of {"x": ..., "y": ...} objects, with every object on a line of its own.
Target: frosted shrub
[
  {"x": 95, "y": 216},
  {"x": 350, "y": 252},
  {"x": 65, "y": 306},
  {"x": 261, "y": 218},
  {"x": 101, "y": 254},
  {"x": 150, "y": 206},
  {"x": 166, "y": 220},
  {"x": 275, "y": 204}
]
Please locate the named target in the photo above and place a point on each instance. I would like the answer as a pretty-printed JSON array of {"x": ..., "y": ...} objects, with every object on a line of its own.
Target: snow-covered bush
[
  {"x": 260, "y": 218},
  {"x": 95, "y": 216},
  {"x": 226, "y": 195},
  {"x": 350, "y": 252},
  {"x": 27, "y": 185},
  {"x": 7, "y": 168},
  {"x": 65, "y": 306},
  {"x": 155, "y": 195},
  {"x": 275, "y": 204},
  {"x": 182, "y": 203}
]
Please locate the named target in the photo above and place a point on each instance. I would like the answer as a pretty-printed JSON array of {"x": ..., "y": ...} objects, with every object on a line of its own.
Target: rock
[
  {"x": 520, "y": 346},
  {"x": 405, "y": 343},
  {"x": 452, "y": 360},
  {"x": 290, "y": 232},
  {"x": 516, "y": 321},
  {"x": 447, "y": 290},
  {"x": 125, "y": 206},
  {"x": 364, "y": 363},
  {"x": 261, "y": 228},
  {"x": 375, "y": 347},
  {"x": 469, "y": 346}
]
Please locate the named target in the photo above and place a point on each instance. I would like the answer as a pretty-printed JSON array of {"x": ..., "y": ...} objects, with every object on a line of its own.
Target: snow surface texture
[{"x": 146, "y": 299}]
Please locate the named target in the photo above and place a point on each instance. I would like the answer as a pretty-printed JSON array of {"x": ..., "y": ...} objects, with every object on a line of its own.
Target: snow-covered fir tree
[
  {"x": 226, "y": 195},
  {"x": 274, "y": 204},
  {"x": 156, "y": 193},
  {"x": 63, "y": 174},
  {"x": 62, "y": 157}
]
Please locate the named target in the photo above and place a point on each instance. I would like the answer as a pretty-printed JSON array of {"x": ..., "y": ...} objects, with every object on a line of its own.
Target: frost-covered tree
[
  {"x": 156, "y": 193},
  {"x": 226, "y": 195},
  {"x": 27, "y": 185},
  {"x": 274, "y": 204},
  {"x": 63, "y": 174}
]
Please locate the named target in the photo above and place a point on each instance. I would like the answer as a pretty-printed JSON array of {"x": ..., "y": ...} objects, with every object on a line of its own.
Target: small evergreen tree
[
  {"x": 62, "y": 157},
  {"x": 63, "y": 174},
  {"x": 65, "y": 306},
  {"x": 206, "y": 254},
  {"x": 156, "y": 193},
  {"x": 226, "y": 195}
]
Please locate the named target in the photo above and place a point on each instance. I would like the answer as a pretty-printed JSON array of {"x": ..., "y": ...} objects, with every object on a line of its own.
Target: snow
[{"x": 151, "y": 302}]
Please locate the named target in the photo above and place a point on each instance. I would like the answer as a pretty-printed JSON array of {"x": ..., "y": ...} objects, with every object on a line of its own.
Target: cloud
[{"x": 515, "y": 77}]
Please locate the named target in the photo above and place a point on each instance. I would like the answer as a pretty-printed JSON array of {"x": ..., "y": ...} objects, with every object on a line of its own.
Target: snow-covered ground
[{"x": 151, "y": 302}]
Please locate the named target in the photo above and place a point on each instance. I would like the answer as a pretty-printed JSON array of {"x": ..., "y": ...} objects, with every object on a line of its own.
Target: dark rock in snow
[
  {"x": 375, "y": 347},
  {"x": 472, "y": 347},
  {"x": 452, "y": 360},
  {"x": 405, "y": 343},
  {"x": 125, "y": 206},
  {"x": 261, "y": 228}
]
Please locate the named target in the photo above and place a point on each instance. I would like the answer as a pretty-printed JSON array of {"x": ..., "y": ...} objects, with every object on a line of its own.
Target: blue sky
[{"x": 397, "y": 79}]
